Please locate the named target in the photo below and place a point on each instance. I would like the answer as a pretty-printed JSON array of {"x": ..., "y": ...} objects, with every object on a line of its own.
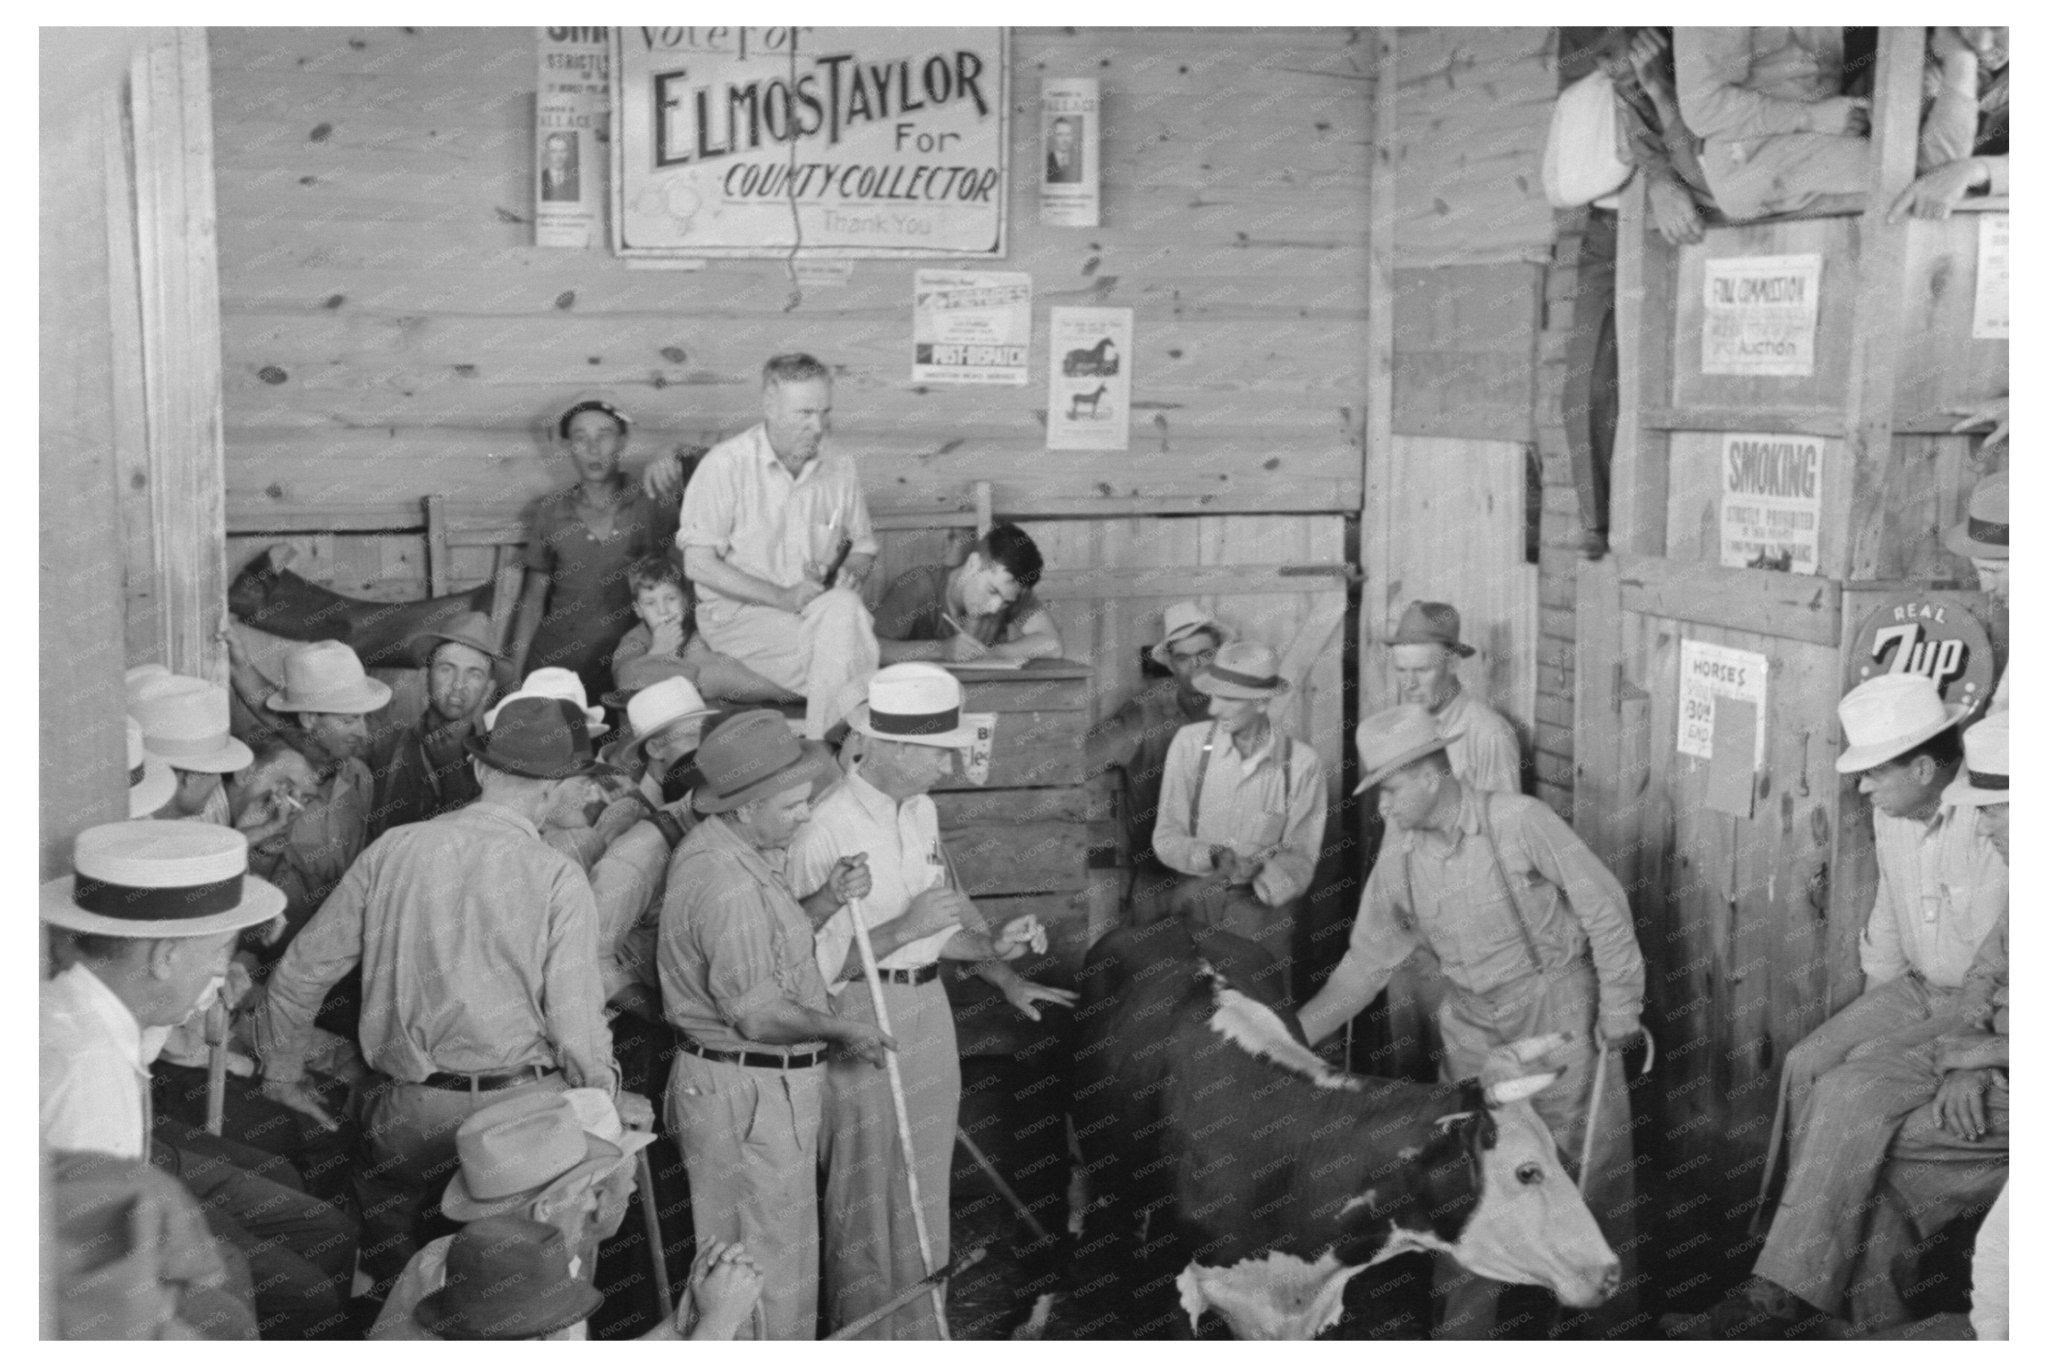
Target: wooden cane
[
  {"x": 909, "y": 1294},
  {"x": 650, "y": 1215},
  {"x": 216, "y": 1068},
  {"x": 924, "y": 1239},
  {"x": 1004, "y": 1189}
]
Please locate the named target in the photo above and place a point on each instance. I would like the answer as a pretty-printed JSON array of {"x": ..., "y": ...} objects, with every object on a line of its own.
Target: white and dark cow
[{"x": 1266, "y": 1179}]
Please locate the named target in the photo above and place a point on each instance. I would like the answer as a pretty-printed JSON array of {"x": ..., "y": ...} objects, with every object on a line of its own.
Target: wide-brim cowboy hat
[
  {"x": 472, "y": 629},
  {"x": 1242, "y": 669},
  {"x": 1391, "y": 739},
  {"x": 159, "y": 880}
]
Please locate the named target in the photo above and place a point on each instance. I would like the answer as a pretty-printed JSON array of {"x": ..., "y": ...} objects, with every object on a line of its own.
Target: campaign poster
[
  {"x": 971, "y": 327},
  {"x": 1991, "y": 317},
  {"x": 572, "y": 90},
  {"x": 1070, "y": 140},
  {"x": 1707, "y": 673},
  {"x": 1088, "y": 381},
  {"x": 1761, "y": 315},
  {"x": 848, "y": 142},
  {"x": 1770, "y": 502}
]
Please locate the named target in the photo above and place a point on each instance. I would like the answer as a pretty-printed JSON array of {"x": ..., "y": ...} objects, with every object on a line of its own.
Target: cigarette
[{"x": 282, "y": 796}]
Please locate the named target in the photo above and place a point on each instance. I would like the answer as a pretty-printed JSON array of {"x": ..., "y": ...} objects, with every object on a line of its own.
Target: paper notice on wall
[
  {"x": 1770, "y": 502},
  {"x": 1707, "y": 673},
  {"x": 971, "y": 327},
  {"x": 1994, "y": 277},
  {"x": 975, "y": 762},
  {"x": 1761, "y": 314},
  {"x": 571, "y": 153},
  {"x": 1070, "y": 139},
  {"x": 1088, "y": 381},
  {"x": 1731, "y": 778}
]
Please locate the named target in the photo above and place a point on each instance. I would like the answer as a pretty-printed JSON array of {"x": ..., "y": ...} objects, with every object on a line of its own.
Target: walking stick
[
  {"x": 909, "y": 1294},
  {"x": 216, "y": 1068},
  {"x": 924, "y": 1238},
  {"x": 1593, "y": 1112},
  {"x": 1003, "y": 1188},
  {"x": 650, "y": 1214}
]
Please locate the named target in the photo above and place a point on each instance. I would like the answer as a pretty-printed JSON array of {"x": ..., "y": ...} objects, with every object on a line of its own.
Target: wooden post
[
  {"x": 1379, "y": 358},
  {"x": 1645, "y": 280}
]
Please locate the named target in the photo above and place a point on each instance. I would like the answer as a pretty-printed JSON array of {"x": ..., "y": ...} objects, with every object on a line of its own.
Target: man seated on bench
[{"x": 982, "y": 607}]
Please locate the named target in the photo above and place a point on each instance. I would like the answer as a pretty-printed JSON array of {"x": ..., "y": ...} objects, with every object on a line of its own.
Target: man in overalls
[{"x": 1534, "y": 937}]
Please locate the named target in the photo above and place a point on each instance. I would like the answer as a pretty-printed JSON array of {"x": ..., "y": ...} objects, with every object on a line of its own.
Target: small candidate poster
[
  {"x": 1770, "y": 502},
  {"x": 570, "y": 159},
  {"x": 1070, "y": 138},
  {"x": 1707, "y": 673},
  {"x": 1761, "y": 314},
  {"x": 1992, "y": 318},
  {"x": 1088, "y": 381},
  {"x": 971, "y": 327},
  {"x": 843, "y": 142},
  {"x": 983, "y": 748}
]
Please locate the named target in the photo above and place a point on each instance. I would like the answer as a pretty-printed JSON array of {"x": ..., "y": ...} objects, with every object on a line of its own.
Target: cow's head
[{"x": 1530, "y": 1224}]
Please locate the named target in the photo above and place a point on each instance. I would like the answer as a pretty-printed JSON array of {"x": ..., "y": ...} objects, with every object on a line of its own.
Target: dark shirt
[
  {"x": 422, "y": 771},
  {"x": 911, "y": 611},
  {"x": 590, "y": 604}
]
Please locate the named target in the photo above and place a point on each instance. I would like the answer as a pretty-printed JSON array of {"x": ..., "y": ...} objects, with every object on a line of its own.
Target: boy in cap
[
  {"x": 1484, "y": 750},
  {"x": 1241, "y": 809},
  {"x": 882, "y": 818}
]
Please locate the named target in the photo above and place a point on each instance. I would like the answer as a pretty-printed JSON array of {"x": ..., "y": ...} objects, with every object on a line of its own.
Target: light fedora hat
[
  {"x": 513, "y": 1151},
  {"x": 150, "y": 780},
  {"x": 1242, "y": 669},
  {"x": 1185, "y": 619},
  {"x": 159, "y": 880},
  {"x": 326, "y": 676},
  {"x": 914, "y": 702},
  {"x": 1986, "y": 530},
  {"x": 555, "y": 682},
  {"x": 657, "y": 708},
  {"x": 185, "y": 723},
  {"x": 1884, "y": 717},
  {"x": 143, "y": 680},
  {"x": 754, "y": 754},
  {"x": 1390, "y": 739},
  {"x": 1987, "y": 764}
]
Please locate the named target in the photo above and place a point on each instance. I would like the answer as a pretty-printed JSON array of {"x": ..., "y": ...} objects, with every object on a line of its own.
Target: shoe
[{"x": 1758, "y": 1309}]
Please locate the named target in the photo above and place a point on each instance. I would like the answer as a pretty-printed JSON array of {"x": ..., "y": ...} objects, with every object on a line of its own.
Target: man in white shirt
[
  {"x": 883, "y": 813},
  {"x": 1484, "y": 751},
  {"x": 776, "y": 539}
]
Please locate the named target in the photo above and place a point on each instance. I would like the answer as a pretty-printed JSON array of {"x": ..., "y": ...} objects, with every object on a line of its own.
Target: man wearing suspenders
[
  {"x": 1535, "y": 938},
  {"x": 1241, "y": 808}
]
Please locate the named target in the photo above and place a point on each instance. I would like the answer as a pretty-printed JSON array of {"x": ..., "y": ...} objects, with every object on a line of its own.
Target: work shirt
[
  {"x": 1484, "y": 751},
  {"x": 627, "y": 884},
  {"x": 1443, "y": 890},
  {"x": 478, "y": 946},
  {"x": 905, "y": 858},
  {"x": 733, "y": 940},
  {"x": 1269, "y": 803},
  {"x": 590, "y": 602},
  {"x": 1941, "y": 887},
  {"x": 1136, "y": 740},
  {"x": 422, "y": 771},
  {"x": 95, "y": 1069},
  {"x": 915, "y": 609},
  {"x": 743, "y": 504}
]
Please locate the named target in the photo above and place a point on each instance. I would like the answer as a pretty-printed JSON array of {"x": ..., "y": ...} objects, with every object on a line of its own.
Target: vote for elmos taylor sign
[{"x": 841, "y": 141}]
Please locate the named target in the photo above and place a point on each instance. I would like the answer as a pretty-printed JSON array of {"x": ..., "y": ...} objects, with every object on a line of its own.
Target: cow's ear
[{"x": 1517, "y": 1088}]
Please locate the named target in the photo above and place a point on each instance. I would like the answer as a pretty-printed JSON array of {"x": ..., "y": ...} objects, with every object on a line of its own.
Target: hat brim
[
  {"x": 635, "y": 746},
  {"x": 1406, "y": 757},
  {"x": 544, "y": 1312},
  {"x": 814, "y": 762},
  {"x": 1858, "y": 758},
  {"x": 1960, "y": 542},
  {"x": 1962, "y": 793},
  {"x": 421, "y": 645},
  {"x": 368, "y": 697},
  {"x": 231, "y": 758},
  {"x": 1458, "y": 648},
  {"x": 590, "y": 768},
  {"x": 1224, "y": 636},
  {"x": 1208, "y": 683},
  {"x": 599, "y": 1154},
  {"x": 157, "y": 786},
  {"x": 261, "y": 901},
  {"x": 959, "y": 738}
]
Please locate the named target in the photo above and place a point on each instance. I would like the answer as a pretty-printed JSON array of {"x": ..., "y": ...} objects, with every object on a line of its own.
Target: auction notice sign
[
  {"x": 1761, "y": 315},
  {"x": 1708, "y": 672},
  {"x": 846, "y": 142},
  {"x": 971, "y": 327},
  {"x": 1770, "y": 502}
]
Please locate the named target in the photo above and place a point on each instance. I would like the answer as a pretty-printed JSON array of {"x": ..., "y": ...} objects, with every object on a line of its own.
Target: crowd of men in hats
[{"x": 365, "y": 1033}]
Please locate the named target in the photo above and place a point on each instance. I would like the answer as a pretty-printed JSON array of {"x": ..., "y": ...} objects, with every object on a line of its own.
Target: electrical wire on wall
[{"x": 796, "y": 222}]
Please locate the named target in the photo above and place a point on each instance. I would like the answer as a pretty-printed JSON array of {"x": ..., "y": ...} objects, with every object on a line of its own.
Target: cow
[
  {"x": 1265, "y": 1179},
  {"x": 271, "y": 598}
]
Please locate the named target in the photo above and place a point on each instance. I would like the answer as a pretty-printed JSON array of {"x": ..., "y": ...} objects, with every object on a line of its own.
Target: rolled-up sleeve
[
  {"x": 1382, "y": 938},
  {"x": 1287, "y": 873},
  {"x": 1879, "y": 949},
  {"x": 855, "y": 506},
  {"x": 710, "y": 506},
  {"x": 321, "y": 955},
  {"x": 811, "y": 857},
  {"x": 573, "y": 1000},
  {"x": 1713, "y": 68},
  {"x": 1595, "y": 899}
]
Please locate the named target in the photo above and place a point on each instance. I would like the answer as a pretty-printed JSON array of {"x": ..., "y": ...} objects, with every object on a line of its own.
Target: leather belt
[
  {"x": 747, "y": 1058},
  {"x": 911, "y": 977},
  {"x": 487, "y": 1082}
]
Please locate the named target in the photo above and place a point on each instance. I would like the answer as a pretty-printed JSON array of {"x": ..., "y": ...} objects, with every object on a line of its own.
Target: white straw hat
[
  {"x": 185, "y": 723},
  {"x": 1987, "y": 765},
  {"x": 554, "y": 682},
  {"x": 326, "y": 676},
  {"x": 157, "y": 880},
  {"x": 915, "y": 702},
  {"x": 1886, "y": 716},
  {"x": 150, "y": 780},
  {"x": 659, "y": 706}
]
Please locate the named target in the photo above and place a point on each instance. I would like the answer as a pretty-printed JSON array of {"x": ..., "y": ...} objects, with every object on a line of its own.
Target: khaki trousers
[{"x": 817, "y": 653}]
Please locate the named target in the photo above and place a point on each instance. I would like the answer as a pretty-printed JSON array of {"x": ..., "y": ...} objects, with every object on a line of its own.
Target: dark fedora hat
[
  {"x": 753, "y": 754},
  {"x": 536, "y": 737},
  {"x": 472, "y": 629},
  {"x": 1433, "y": 624},
  {"x": 507, "y": 1278}
]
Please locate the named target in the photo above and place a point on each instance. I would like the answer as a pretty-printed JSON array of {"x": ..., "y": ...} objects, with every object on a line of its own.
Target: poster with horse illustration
[{"x": 1088, "y": 379}]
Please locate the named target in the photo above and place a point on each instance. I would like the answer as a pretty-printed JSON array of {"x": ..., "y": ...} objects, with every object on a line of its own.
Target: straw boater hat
[
  {"x": 1393, "y": 738},
  {"x": 1185, "y": 619},
  {"x": 506, "y": 1277},
  {"x": 472, "y": 629},
  {"x": 552, "y": 682},
  {"x": 660, "y": 708},
  {"x": 1985, "y": 532},
  {"x": 1430, "y": 624},
  {"x": 185, "y": 723},
  {"x": 514, "y": 1152},
  {"x": 159, "y": 880},
  {"x": 326, "y": 676},
  {"x": 539, "y": 737},
  {"x": 150, "y": 780},
  {"x": 1242, "y": 669},
  {"x": 753, "y": 754},
  {"x": 1885, "y": 717},
  {"x": 918, "y": 703},
  {"x": 1987, "y": 765}
]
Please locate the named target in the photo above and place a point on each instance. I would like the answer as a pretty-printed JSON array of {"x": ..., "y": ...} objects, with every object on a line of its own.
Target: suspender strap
[
  {"x": 1202, "y": 776},
  {"x": 664, "y": 820},
  {"x": 1500, "y": 873}
]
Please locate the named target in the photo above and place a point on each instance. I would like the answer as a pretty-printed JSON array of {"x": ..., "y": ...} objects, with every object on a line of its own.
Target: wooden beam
[
  {"x": 1378, "y": 513},
  {"x": 1810, "y": 422},
  {"x": 1646, "y": 275},
  {"x": 1798, "y": 607},
  {"x": 1191, "y": 581}
]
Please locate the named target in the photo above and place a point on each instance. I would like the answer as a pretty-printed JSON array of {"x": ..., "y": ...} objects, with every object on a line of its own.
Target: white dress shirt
[
  {"x": 905, "y": 858},
  {"x": 95, "y": 1070},
  {"x": 1941, "y": 887}
]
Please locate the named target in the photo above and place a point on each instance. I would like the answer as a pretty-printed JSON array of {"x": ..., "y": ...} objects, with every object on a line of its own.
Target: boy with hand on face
[{"x": 667, "y": 636}]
